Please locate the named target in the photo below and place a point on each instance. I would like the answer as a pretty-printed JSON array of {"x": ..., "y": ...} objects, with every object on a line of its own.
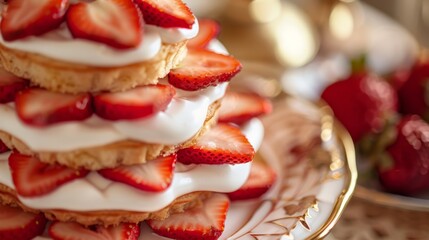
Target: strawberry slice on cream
[
  {"x": 203, "y": 68},
  {"x": 17, "y": 224},
  {"x": 24, "y": 18},
  {"x": 166, "y": 13},
  {"x": 117, "y": 23},
  {"x": 223, "y": 144},
  {"x": 203, "y": 222}
]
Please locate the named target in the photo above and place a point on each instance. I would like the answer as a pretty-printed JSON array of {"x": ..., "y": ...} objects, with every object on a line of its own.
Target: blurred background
[
  {"x": 411, "y": 14},
  {"x": 307, "y": 43}
]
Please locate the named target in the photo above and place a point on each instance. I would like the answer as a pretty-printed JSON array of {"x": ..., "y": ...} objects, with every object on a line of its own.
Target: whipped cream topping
[
  {"x": 94, "y": 192},
  {"x": 60, "y": 45},
  {"x": 182, "y": 119},
  {"x": 254, "y": 131}
]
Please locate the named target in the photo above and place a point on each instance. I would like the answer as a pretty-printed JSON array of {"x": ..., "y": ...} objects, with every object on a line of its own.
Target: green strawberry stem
[
  {"x": 358, "y": 64},
  {"x": 372, "y": 146}
]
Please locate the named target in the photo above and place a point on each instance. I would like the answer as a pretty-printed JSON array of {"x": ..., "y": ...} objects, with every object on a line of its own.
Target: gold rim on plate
[
  {"x": 306, "y": 179},
  {"x": 341, "y": 203}
]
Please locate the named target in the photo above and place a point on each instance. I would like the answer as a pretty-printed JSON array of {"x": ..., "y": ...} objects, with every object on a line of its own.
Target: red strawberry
[
  {"x": 3, "y": 147},
  {"x": 203, "y": 68},
  {"x": 133, "y": 104},
  {"x": 209, "y": 30},
  {"x": 260, "y": 180},
  {"x": 34, "y": 178},
  {"x": 241, "y": 107},
  {"x": 223, "y": 144},
  {"x": 408, "y": 171},
  {"x": 166, "y": 13},
  {"x": 202, "y": 222},
  {"x": 362, "y": 103},
  {"x": 74, "y": 231},
  {"x": 154, "y": 176},
  {"x": 414, "y": 93},
  {"x": 16, "y": 224},
  {"x": 117, "y": 23},
  {"x": 10, "y": 85},
  {"x": 39, "y": 107},
  {"x": 24, "y": 18},
  {"x": 398, "y": 78}
]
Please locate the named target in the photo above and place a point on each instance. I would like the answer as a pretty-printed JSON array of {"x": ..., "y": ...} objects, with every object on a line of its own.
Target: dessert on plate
[{"x": 111, "y": 119}]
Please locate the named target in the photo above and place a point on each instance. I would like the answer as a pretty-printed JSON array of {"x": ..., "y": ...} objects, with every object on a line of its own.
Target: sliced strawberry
[
  {"x": 10, "y": 85},
  {"x": 261, "y": 179},
  {"x": 23, "y": 18},
  {"x": 203, "y": 68},
  {"x": 117, "y": 23},
  {"x": 34, "y": 178},
  {"x": 241, "y": 107},
  {"x": 74, "y": 231},
  {"x": 3, "y": 147},
  {"x": 39, "y": 107},
  {"x": 206, "y": 221},
  {"x": 166, "y": 13},
  {"x": 153, "y": 176},
  {"x": 137, "y": 103},
  {"x": 223, "y": 144},
  {"x": 16, "y": 224},
  {"x": 209, "y": 30}
]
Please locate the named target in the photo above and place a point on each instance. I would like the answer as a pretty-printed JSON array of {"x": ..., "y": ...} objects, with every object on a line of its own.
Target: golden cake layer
[{"x": 59, "y": 76}]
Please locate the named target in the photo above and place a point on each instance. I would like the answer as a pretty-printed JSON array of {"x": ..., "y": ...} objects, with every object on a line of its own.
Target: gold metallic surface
[{"x": 347, "y": 193}]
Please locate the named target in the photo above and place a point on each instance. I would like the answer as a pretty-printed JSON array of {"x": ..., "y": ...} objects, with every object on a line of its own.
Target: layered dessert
[{"x": 115, "y": 114}]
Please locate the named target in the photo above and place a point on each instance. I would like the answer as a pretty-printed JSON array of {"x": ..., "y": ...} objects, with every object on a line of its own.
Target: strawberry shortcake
[
  {"x": 115, "y": 114},
  {"x": 90, "y": 46}
]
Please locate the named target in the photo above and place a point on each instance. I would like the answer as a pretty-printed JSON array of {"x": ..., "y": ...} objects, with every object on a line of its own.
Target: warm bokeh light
[
  {"x": 296, "y": 41},
  {"x": 341, "y": 21},
  {"x": 264, "y": 11}
]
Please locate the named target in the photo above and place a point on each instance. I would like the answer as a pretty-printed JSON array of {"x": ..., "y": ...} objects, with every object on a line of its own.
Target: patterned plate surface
[{"x": 315, "y": 164}]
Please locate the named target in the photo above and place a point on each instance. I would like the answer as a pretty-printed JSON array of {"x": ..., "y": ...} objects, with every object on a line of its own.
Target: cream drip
[{"x": 97, "y": 193}]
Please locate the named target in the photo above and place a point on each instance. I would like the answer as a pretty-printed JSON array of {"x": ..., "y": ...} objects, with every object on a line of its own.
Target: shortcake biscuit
[
  {"x": 59, "y": 76},
  {"x": 112, "y": 155}
]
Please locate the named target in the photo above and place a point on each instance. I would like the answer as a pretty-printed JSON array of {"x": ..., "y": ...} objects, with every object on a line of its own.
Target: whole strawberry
[
  {"x": 398, "y": 77},
  {"x": 414, "y": 93},
  {"x": 362, "y": 103},
  {"x": 407, "y": 168}
]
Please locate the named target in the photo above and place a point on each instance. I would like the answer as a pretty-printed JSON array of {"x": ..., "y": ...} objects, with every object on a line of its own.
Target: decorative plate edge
[{"x": 345, "y": 196}]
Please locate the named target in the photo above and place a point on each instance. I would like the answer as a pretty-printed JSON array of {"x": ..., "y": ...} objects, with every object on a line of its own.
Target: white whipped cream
[
  {"x": 94, "y": 192},
  {"x": 182, "y": 119},
  {"x": 97, "y": 193},
  {"x": 59, "y": 44},
  {"x": 254, "y": 131}
]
